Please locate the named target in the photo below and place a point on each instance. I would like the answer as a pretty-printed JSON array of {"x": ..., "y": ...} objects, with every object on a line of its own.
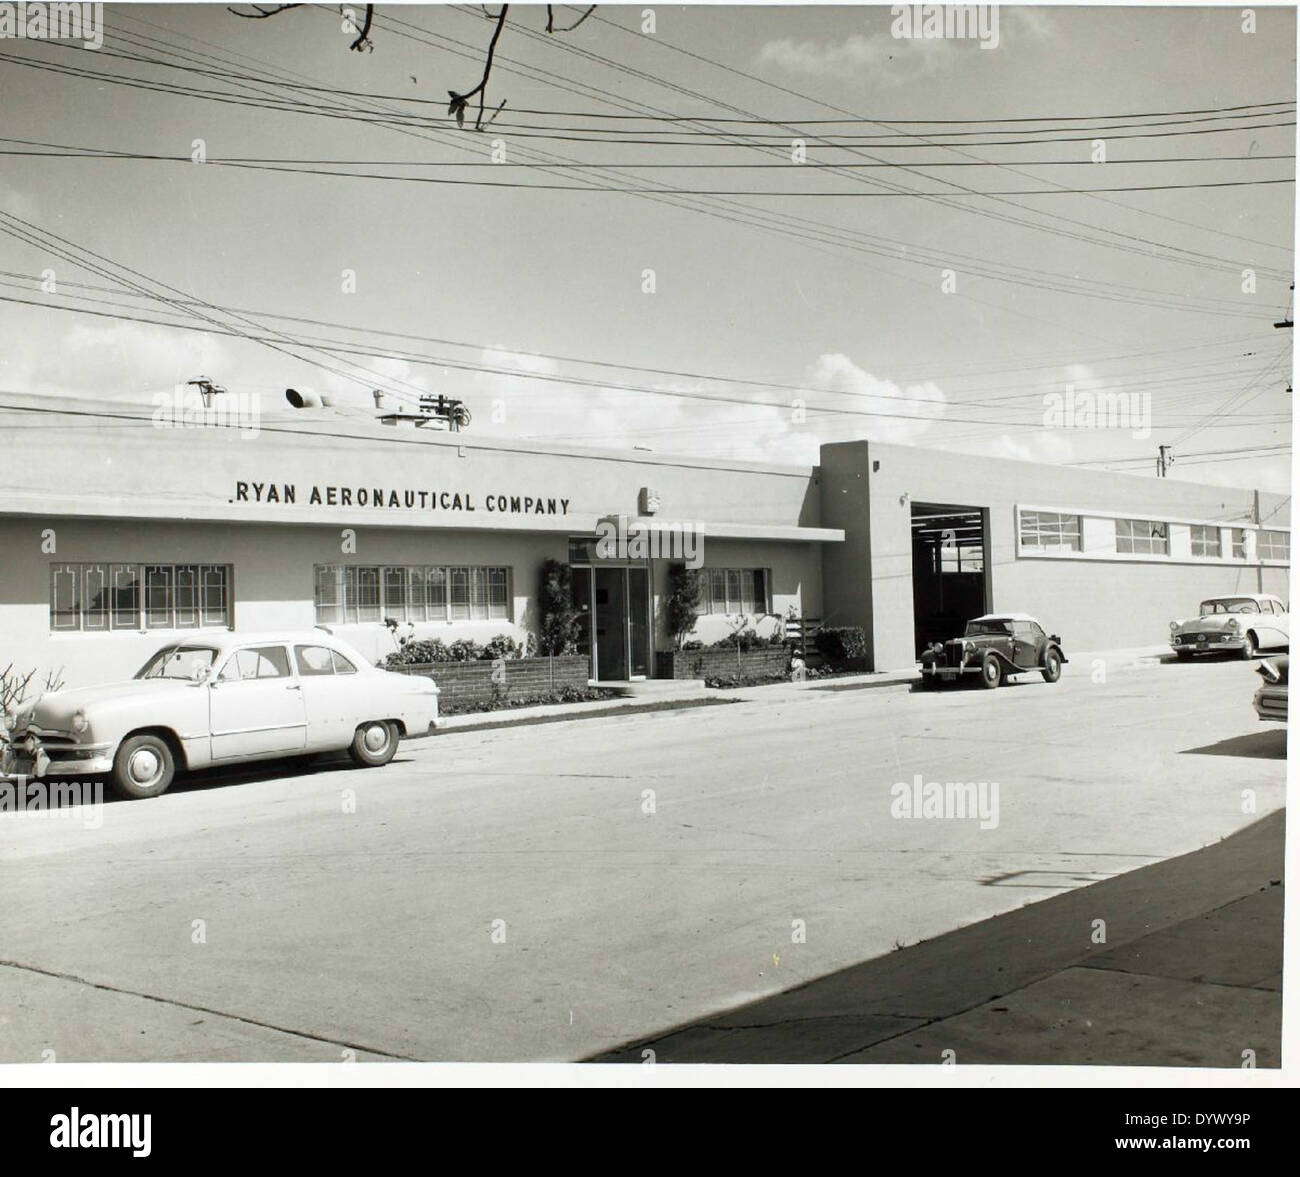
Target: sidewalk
[
  {"x": 691, "y": 693},
  {"x": 1190, "y": 975}
]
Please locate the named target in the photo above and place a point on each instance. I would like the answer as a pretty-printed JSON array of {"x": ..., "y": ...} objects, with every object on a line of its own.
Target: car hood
[
  {"x": 1213, "y": 622},
  {"x": 55, "y": 711}
]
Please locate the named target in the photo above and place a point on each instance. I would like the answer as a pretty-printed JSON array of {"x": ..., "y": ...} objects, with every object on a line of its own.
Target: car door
[
  {"x": 329, "y": 692},
  {"x": 1024, "y": 645},
  {"x": 255, "y": 705},
  {"x": 1271, "y": 627}
]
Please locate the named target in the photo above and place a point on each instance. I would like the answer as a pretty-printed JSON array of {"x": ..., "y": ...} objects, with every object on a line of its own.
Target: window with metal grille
[
  {"x": 96, "y": 597},
  {"x": 352, "y": 594}
]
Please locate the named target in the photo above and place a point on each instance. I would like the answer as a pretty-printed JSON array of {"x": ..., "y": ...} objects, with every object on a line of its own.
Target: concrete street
[{"x": 346, "y": 910}]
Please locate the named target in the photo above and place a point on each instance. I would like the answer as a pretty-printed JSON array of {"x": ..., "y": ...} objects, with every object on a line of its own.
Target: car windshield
[
  {"x": 995, "y": 625},
  {"x": 177, "y": 662},
  {"x": 1228, "y": 605}
]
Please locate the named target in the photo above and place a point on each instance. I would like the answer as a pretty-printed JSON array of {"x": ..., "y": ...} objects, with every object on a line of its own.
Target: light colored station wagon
[{"x": 206, "y": 700}]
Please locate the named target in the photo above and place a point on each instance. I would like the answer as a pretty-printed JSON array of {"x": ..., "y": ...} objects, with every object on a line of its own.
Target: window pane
[
  {"x": 436, "y": 594},
  {"x": 157, "y": 596},
  {"x": 760, "y": 590},
  {"x": 342, "y": 665},
  {"x": 478, "y": 593},
  {"x": 214, "y": 595},
  {"x": 733, "y": 591},
  {"x": 395, "y": 593},
  {"x": 498, "y": 601},
  {"x": 187, "y": 595},
  {"x": 126, "y": 596},
  {"x": 459, "y": 593},
  {"x": 96, "y": 596},
  {"x": 367, "y": 594},
  {"x": 65, "y": 596},
  {"x": 329, "y": 593},
  {"x": 314, "y": 660},
  {"x": 415, "y": 583}
]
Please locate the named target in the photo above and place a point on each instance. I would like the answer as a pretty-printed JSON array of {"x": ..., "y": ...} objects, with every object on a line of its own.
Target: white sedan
[
  {"x": 1247, "y": 623},
  {"x": 209, "y": 700}
]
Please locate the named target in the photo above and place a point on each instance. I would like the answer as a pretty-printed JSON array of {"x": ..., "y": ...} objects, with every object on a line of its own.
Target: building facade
[{"x": 118, "y": 534}]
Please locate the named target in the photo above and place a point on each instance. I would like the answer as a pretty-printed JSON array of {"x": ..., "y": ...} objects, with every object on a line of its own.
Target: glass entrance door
[
  {"x": 610, "y": 623},
  {"x": 638, "y": 620}
]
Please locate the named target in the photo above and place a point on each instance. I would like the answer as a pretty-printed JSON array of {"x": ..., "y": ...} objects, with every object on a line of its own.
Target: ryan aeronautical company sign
[{"x": 387, "y": 498}]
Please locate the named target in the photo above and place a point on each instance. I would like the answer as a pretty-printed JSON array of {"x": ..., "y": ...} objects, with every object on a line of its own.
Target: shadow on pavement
[{"x": 1266, "y": 744}]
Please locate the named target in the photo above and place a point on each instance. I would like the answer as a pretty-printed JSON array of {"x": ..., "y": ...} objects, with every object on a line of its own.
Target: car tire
[
  {"x": 374, "y": 743},
  {"x": 1051, "y": 664},
  {"x": 1184, "y": 655},
  {"x": 990, "y": 672},
  {"x": 143, "y": 767},
  {"x": 1249, "y": 648}
]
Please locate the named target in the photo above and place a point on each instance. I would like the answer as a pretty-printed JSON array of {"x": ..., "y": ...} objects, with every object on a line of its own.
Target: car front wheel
[
  {"x": 143, "y": 767},
  {"x": 1248, "y": 647},
  {"x": 1051, "y": 666},
  {"x": 990, "y": 672},
  {"x": 374, "y": 743}
]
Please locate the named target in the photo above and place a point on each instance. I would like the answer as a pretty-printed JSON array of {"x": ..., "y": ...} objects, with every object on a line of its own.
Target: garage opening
[{"x": 949, "y": 578}]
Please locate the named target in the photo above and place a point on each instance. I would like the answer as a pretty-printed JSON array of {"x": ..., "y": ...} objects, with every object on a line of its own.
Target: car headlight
[
  {"x": 968, "y": 648},
  {"x": 79, "y": 722},
  {"x": 1233, "y": 625},
  {"x": 1173, "y": 625}
]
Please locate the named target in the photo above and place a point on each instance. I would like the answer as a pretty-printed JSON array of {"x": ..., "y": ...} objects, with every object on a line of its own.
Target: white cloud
[
  {"x": 885, "y": 58},
  {"x": 894, "y": 413}
]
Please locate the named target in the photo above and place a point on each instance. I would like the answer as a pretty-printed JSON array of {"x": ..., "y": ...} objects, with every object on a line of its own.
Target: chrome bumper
[{"x": 30, "y": 758}]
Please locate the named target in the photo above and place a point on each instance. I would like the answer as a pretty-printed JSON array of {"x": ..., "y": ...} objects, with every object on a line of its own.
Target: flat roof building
[{"x": 120, "y": 528}]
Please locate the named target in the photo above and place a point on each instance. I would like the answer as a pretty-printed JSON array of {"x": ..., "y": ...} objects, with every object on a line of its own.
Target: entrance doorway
[
  {"x": 616, "y": 602},
  {"x": 950, "y": 574}
]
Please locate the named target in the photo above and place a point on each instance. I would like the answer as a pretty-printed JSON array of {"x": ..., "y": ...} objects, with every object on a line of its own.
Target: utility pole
[
  {"x": 1164, "y": 460},
  {"x": 1286, "y": 320}
]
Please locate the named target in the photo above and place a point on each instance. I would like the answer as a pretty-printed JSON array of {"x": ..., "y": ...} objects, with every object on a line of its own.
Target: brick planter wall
[
  {"x": 471, "y": 682},
  {"x": 761, "y": 663}
]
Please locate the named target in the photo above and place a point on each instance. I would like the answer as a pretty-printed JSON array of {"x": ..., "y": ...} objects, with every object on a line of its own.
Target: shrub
[
  {"x": 682, "y": 605},
  {"x": 503, "y": 646},
  {"x": 464, "y": 650},
  {"x": 413, "y": 653},
  {"x": 745, "y": 637},
  {"x": 559, "y": 619},
  {"x": 840, "y": 645}
]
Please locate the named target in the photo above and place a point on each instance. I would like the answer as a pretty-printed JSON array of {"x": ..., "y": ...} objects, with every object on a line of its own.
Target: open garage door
[{"x": 949, "y": 578}]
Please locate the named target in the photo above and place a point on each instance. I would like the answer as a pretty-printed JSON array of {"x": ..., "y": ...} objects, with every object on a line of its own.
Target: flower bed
[
  {"x": 763, "y": 662},
  {"x": 465, "y": 686}
]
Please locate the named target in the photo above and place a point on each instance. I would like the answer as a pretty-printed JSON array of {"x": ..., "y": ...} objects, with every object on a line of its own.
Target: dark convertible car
[{"x": 994, "y": 647}]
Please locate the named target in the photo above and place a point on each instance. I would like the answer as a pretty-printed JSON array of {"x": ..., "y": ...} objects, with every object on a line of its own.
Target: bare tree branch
[
  {"x": 261, "y": 13},
  {"x": 460, "y": 101},
  {"x": 567, "y": 28}
]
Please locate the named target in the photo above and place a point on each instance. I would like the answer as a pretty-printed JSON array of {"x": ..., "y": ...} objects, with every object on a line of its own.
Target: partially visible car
[
  {"x": 1270, "y": 699},
  {"x": 994, "y": 647},
  {"x": 1242, "y": 623},
  {"x": 215, "y": 699}
]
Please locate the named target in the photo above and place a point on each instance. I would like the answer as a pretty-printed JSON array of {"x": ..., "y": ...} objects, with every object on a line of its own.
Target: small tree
[
  {"x": 683, "y": 603},
  {"x": 559, "y": 619}
]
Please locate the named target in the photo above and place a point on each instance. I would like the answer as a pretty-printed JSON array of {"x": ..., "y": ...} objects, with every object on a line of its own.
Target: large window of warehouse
[
  {"x": 735, "y": 590},
  {"x": 1049, "y": 531},
  {"x": 95, "y": 598},
  {"x": 1205, "y": 540},
  {"x": 1142, "y": 537},
  {"x": 352, "y": 594},
  {"x": 1273, "y": 545}
]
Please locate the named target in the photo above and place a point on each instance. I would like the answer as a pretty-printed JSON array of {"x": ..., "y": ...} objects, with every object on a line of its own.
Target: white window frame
[{"x": 420, "y": 586}]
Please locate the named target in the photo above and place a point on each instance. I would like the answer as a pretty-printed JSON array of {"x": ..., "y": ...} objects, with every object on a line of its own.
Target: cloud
[
  {"x": 893, "y": 413},
  {"x": 885, "y": 58}
]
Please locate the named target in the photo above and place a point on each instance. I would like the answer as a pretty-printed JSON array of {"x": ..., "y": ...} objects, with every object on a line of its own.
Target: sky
[{"x": 726, "y": 323}]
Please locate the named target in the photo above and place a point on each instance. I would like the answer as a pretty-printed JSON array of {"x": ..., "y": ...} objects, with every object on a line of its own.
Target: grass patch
[{"x": 594, "y": 713}]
